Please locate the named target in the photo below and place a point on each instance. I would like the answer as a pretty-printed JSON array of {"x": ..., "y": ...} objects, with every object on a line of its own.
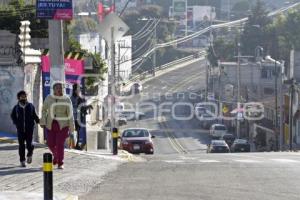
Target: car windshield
[
  {"x": 240, "y": 141},
  {"x": 135, "y": 133},
  {"x": 228, "y": 137},
  {"x": 220, "y": 128},
  {"x": 218, "y": 143}
]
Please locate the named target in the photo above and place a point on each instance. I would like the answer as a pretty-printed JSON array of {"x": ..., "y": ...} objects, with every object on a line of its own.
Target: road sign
[
  {"x": 179, "y": 7},
  {"x": 225, "y": 109},
  {"x": 54, "y": 9}
]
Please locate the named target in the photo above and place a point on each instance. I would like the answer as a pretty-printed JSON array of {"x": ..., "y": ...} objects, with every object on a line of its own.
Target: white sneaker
[{"x": 60, "y": 167}]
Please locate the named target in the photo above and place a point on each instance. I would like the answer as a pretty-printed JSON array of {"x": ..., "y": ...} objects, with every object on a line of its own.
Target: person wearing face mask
[
  {"x": 24, "y": 117},
  {"x": 57, "y": 118}
]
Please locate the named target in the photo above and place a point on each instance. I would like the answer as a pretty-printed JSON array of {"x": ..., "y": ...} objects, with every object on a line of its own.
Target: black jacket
[{"x": 24, "y": 118}]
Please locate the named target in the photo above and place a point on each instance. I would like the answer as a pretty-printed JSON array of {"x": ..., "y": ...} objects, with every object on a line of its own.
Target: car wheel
[{"x": 149, "y": 153}]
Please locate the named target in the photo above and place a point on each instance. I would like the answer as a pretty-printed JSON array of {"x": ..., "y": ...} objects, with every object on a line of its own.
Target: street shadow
[
  {"x": 14, "y": 147},
  {"x": 9, "y": 147},
  {"x": 18, "y": 170}
]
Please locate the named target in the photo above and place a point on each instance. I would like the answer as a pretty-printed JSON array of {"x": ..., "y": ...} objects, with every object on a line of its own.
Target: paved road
[
  {"x": 180, "y": 168},
  {"x": 168, "y": 93},
  {"x": 250, "y": 176}
]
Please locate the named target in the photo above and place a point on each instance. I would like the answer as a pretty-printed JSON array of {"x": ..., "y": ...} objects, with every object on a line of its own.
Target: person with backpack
[
  {"x": 24, "y": 118},
  {"x": 57, "y": 118}
]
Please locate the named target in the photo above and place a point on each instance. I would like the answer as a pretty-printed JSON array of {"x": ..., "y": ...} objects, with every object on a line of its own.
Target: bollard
[
  {"x": 115, "y": 137},
  {"x": 48, "y": 176}
]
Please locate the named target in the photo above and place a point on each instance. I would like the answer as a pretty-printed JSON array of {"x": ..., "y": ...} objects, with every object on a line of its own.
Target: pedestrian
[
  {"x": 79, "y": 112},
  {"x": 57, "y": 118},
  {"x": 24, "y": 118}
]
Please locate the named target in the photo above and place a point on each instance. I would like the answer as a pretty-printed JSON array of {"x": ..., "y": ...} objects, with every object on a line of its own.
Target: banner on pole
[{"x": 54, "y": 9}]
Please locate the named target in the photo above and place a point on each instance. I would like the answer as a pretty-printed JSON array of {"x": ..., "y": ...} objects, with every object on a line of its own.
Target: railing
[{"x": 166, "y": 66}]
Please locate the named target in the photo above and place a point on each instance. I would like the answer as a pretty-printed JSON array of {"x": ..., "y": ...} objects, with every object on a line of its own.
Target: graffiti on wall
[{"x": 6, "y": 80}]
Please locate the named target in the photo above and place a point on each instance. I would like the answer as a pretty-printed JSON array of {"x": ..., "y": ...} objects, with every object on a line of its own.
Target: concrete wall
[{"x": 11, "y": 81}]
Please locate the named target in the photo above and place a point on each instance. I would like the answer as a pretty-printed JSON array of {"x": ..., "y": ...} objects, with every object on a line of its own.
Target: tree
[
  {"x": 240, "y": 9},
  {"x": 284, "y": 35},
  {"x": 17, "y": 11},
  {"x": 221, "y": 50},
  {"x": 255, "y": 30}
]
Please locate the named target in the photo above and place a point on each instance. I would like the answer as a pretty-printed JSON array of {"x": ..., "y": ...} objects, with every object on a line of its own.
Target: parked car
[
  {"x": 122, "y": 121},
  {"x": 136, "y": 88},
  {"x": 206, "y": 120},
  {"x": 217, "y": 130},
  {"x": 199, "y": 110},
  {"x": 229, "y": 139},
  {"x": 131, "y": 115},
  {"x": 218, "y": 146},
  {"x": 137, "y": 140},
  {"x": 240, "y": 145}
]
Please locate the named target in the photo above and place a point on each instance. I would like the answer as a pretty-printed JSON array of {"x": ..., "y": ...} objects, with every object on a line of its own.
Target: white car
[{"x": 217, "y": 130}]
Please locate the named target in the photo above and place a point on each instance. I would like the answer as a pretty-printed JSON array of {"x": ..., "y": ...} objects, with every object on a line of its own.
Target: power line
[{"x": 148, "y": 31}]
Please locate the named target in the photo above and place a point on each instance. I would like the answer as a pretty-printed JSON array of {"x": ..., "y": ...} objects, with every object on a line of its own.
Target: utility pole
[
  {"x": 229, "y": 8},
  {"x": 112, "y": 79},
  {"x": 186, "y": 18},
  {"x": 276, "y": 106},
  {"x": 291, "y": 114},
  {"x": 154, "y": 53},
  {"x": 119, "y": 61},
  {"x": 207, "y": 77},
  {"x": 57, "y": 70},
  {"x": 238, "y": 92},
  {"x": 281, "y": 110}
]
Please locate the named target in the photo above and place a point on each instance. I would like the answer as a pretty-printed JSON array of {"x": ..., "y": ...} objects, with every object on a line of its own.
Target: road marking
[
  {"x": 208, "y": 161},
  {"x": 282, "y": 160},
  {"x": 174, "y": 161},
  {"x": 247, "y": 161},
  {"x": 173, "y": 141},
  {"x": 185, "y": 82}
]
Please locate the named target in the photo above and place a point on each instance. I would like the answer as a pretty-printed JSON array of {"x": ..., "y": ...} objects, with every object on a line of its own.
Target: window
[
  {"x": 268, "y": 91},
  {"x": 266, "y": 74}
]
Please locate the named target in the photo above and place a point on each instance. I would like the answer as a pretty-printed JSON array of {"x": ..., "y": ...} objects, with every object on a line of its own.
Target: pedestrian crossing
[{"x": 235, "y": 159}]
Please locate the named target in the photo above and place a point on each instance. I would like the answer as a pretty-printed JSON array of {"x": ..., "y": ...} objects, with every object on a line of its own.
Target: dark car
[
  {"x": 229, "y": 139},
  {"x": 137, "y": 141},
  {"x": 240, "y": 145},
  {"x": 136, "y": 88},
  {"x": 206, "y": 120},
  {"x": 131, "y": 115},
  {"x": 218, "y": 146}
]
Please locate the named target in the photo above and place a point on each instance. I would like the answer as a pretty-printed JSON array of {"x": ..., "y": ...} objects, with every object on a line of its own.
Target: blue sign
[{"x": 54, "y": 9}]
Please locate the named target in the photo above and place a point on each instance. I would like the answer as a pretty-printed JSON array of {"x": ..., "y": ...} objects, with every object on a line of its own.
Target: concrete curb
[
  {"x": 8, "y": 140},
  {"x": 33, "y": 196}
]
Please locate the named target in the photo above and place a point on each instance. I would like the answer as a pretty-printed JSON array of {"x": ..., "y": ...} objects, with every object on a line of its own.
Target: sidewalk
[
  {"x": 8, "y": 137},
  {"x": 83, "y": 171}
]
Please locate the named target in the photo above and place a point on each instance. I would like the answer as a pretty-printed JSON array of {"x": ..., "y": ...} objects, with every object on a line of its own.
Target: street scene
[{"x": 133, "y": 99}]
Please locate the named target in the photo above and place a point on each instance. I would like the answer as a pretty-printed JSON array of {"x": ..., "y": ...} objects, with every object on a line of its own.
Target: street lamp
[{"x": 276, "y": 63}]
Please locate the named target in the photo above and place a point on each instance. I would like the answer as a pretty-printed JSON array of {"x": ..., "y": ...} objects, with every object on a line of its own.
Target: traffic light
[{"x": 24, "y": 38}]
